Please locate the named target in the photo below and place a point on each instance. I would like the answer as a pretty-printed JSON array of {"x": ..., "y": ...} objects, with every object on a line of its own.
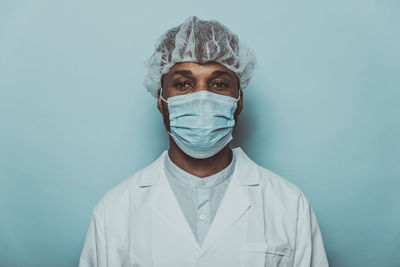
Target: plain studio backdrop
[{"x": 322, "y": 111}]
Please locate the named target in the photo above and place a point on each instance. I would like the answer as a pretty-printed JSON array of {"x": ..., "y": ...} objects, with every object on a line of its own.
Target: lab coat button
[{"x": 202, "y": 217}]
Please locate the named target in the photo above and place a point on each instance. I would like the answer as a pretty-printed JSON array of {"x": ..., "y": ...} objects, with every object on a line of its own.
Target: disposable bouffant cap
[{"x": 199, "y": 41}]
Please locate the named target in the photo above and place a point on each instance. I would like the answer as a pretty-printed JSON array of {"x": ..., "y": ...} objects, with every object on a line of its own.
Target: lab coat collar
[
  {"x": 246, "y": 169},
  {"x": 150, "y": 175},
  {"x": 247, "y": 174},
  {"x": 233, "y": 206}
]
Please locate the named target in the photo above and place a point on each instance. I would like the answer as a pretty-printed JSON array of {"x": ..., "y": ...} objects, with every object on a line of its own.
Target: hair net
[{"x": 199, "y": 41}]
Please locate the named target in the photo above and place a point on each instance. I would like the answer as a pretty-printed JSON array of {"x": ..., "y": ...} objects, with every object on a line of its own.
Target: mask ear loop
[
  {"x": 163, "y": 99},
  {"x": 237, "y": 99}
]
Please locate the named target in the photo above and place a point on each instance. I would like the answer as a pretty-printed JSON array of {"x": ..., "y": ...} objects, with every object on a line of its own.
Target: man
[{"x": 202, "y": 203}]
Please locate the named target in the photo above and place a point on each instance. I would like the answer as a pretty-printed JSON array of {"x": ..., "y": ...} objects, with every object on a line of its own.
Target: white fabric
[
  {"x": 201, "y": 123},
  {"x": 199, "y": 41},
  {"x": 263, "y": 220}
]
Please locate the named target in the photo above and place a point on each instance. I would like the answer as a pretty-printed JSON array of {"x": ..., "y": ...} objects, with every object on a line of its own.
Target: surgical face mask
[{"x": 201, "y": 123}]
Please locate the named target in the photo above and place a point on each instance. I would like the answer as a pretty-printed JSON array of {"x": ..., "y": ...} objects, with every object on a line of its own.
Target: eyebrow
[
  {"x": 218, "y": 73},
  {"x": 186, "y": 73},
  {"x": 182, "y": 73}
]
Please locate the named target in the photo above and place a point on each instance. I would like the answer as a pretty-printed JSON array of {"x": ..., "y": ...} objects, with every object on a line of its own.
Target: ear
[{"x": 160, "y": 105}]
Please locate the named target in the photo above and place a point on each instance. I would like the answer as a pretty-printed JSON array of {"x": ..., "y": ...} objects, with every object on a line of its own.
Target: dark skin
[{"x": 190, "y": 77}]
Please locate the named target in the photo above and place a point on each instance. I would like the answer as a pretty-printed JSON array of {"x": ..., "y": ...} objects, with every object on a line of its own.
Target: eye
[
  {"x": 218, "y": 85},
  {"x": 183, "y": 85}
]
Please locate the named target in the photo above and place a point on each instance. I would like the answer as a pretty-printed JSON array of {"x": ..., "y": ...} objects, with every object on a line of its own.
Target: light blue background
[{"x": 322, "y": 111}]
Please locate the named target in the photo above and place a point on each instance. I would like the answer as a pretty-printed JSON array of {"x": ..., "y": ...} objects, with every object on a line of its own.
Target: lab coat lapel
[
  {"x": 165, "y": 205},
  {"x": 236, "y": 201},
  {"x": 233, "y": 206}
]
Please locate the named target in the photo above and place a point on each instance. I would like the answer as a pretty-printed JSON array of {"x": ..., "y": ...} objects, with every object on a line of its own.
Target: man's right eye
[{"x": 183, "y": 85}]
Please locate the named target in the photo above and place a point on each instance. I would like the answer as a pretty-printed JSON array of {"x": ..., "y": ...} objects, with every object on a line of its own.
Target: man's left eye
[{"x": 218, "y": 85}]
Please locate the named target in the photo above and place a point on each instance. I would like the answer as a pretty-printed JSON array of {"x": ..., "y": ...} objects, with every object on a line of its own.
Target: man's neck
[{"x": 200, "y": 167}]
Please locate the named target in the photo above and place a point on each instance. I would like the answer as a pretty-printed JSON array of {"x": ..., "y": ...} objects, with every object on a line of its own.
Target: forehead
[{"x": 200, "y": 69}]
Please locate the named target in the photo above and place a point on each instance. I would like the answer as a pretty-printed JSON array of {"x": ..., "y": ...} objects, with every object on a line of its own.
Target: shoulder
[
  {"x": 275, "y": 182},
  {"x": 144, "y": 177},
  {"x": 273, "y": 185},
  {"x": 282, "y": 199}
]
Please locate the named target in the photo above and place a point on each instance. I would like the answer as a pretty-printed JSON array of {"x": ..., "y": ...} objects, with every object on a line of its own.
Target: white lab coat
[{"x": 263, "y": 220}]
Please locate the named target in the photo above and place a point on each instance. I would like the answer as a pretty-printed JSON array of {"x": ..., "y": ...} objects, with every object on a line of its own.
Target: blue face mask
[{"x": 201, "y": 123}]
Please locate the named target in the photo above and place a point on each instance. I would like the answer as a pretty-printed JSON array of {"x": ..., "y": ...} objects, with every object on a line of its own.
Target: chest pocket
[{"x": 265, "y": 255}]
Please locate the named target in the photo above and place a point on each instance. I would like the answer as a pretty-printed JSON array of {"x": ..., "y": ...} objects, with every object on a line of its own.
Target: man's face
[{"x": 190, "y": 77}]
